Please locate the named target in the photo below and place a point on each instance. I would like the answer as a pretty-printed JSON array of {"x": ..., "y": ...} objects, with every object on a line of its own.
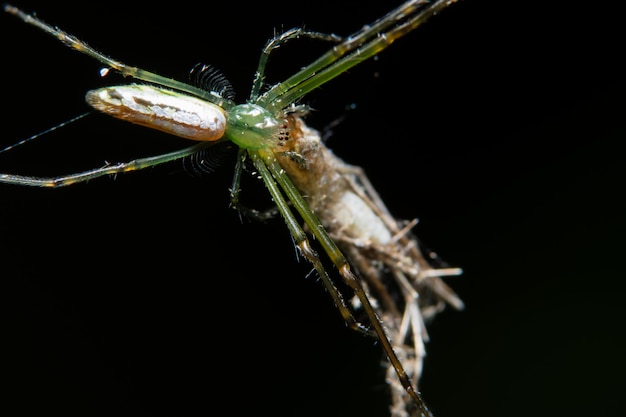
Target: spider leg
[
  {"x": 275, "y": 43},
  {"x": 266, "y": 163},
  {"x": 108, "y": 169},
  {"x": 301, "y": 240},
  {"x": 126, "y": 70},
  {"x": 356, "y": 48},
  {"x": 235, "y": 189}
]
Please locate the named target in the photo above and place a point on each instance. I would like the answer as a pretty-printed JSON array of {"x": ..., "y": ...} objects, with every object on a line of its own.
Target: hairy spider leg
[
  {"x": 264, "y": 159},
  {"x": 126, "y": 70},
  {"x": 358, "y": 47},
  {"x": 275, "y": 43},
  {"x": 109, "y": 169},
  {"x": 235, "y": 190}
]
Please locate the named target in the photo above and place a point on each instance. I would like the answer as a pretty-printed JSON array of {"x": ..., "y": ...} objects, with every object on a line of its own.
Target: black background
[{"x": 497, "y": 124}]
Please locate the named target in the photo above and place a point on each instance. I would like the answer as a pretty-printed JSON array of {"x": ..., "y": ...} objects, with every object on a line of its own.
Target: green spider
[{"x": 334, "y": 200}]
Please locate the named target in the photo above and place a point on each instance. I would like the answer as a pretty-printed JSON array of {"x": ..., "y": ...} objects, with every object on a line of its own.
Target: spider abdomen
[{"x": 158, "y": 108}]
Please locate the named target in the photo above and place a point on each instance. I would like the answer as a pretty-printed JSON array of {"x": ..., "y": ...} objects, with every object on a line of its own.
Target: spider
[{"x": 318, "y": 195}]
